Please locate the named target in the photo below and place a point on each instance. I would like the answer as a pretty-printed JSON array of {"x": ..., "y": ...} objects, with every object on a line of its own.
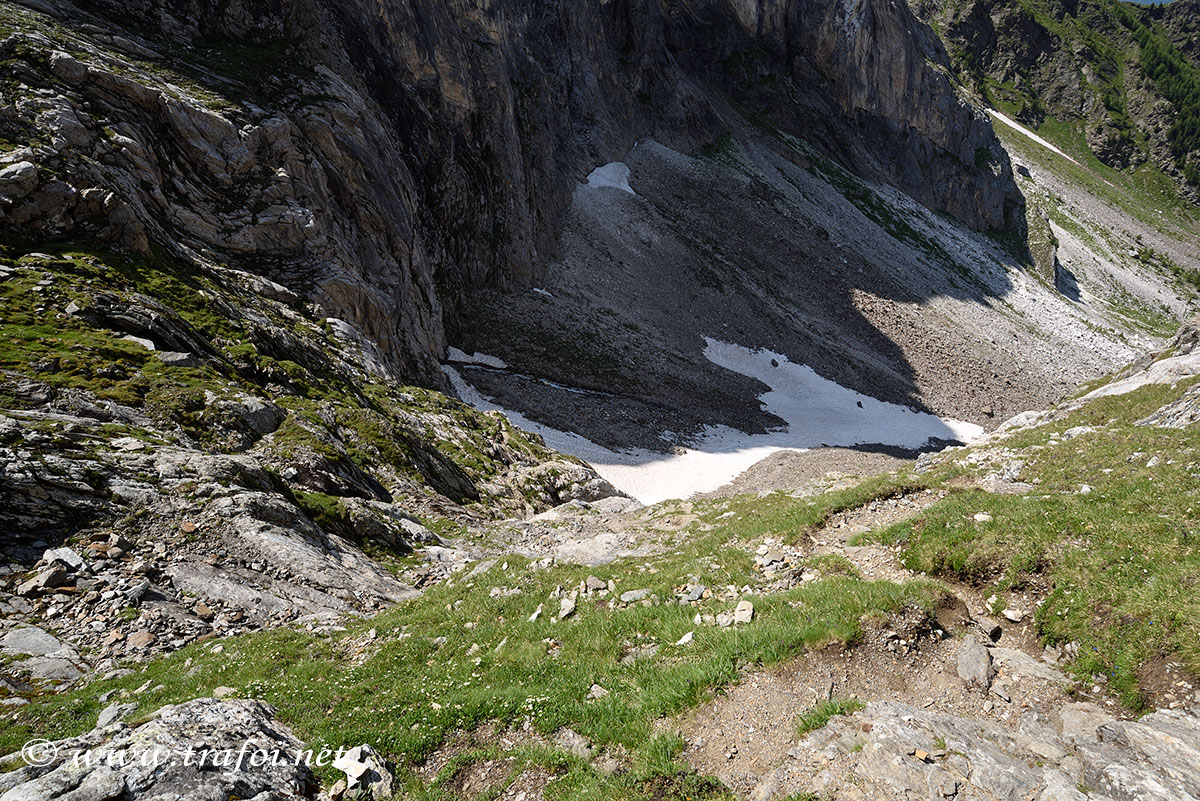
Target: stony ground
[{"x": 910, "y": 308}]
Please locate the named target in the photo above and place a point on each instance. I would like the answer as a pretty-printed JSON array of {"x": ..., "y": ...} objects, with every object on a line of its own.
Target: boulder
[
  {"x": 113, "y": 713},
  {"x": 32, "y": 641},
  {"x": 162, "y": 759},
  {"x": 18, "y": 180},
  {"x": 66, "y": 557}
]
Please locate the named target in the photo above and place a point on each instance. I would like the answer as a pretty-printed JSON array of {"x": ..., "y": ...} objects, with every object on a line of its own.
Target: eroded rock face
[{"x": 387, "y": 157}]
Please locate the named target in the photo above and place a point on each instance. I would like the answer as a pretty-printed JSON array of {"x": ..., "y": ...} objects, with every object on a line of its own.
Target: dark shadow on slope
[
  {"x": 1065, "y": 282},
  {"x": 755, "y": 245}
]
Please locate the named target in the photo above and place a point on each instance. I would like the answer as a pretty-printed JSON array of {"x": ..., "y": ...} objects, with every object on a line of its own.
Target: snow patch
[
  {"x": 461, "y": 357},
  {"x": 541, "y": 291},
  {"x": 615, "y": 176},
  {"x": 1011, "y": 123},
  {"x": 816, "y": 412}
]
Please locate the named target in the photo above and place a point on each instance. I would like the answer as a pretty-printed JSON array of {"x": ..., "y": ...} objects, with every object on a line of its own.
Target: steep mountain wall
[{"x": 383, "y": 158}]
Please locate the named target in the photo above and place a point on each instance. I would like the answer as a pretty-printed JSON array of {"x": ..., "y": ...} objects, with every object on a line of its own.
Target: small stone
[
  {"x": 113, "y": 713},
  {"x": 597, "y": 692},
  {"x": 1015, "y": 615},
  {"x": 687, "y": 638},
  {"x": 536, "y": 613},
  {"x": 54, "y": 577},
  {"x": 990, "y": 628},
  {"x": 134, "y": 593},
  {"x": 744, "y": 612},
  {"x": 975, "y": 664},
  {"x": 633, "y": 596},
  {"x": 223, "y": 692},
  {"x": 983, "y": 517},
  {"x": 566, "y": 608},
  {"x": 594, "y": 584},
  {"x": 140, "y": 639},
  {"x": 65, "y": 557}
]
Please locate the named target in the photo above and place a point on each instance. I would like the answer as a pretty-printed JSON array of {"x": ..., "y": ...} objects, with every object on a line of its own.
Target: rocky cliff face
[{"x": 384, "y": 158}]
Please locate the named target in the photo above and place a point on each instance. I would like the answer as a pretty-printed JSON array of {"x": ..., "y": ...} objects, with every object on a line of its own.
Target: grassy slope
[
  {"x": 1118, "y": 566},
  {"x": 405, "y": 690},
  {"x": 1145, "y": 195},
  {"x": 258, "y": 348}
]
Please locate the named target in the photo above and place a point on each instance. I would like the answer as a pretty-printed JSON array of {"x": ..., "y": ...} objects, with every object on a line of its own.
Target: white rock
[
  {"x": 566, "y": 608},
  {"x": 366, "y": 772}
]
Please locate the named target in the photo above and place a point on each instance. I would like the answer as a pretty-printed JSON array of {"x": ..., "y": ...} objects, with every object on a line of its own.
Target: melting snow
[
  {"x": 1011, "y": 123},
  {"x": 816, "y": 411},
  {"x": 615, "y": 175},
  {"x": 456, "y": 355}
]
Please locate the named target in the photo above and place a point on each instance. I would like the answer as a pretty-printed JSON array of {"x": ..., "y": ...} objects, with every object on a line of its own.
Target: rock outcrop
[
  {"x": 384, "y": 158},
  {"x": 201, "y": 749},
  {"x": 1084, "y": 753},
  {"x": 164, "y": 480}
]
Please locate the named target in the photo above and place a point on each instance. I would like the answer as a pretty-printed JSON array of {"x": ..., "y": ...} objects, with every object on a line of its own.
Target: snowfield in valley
[{"x": 817, "y": 412}]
